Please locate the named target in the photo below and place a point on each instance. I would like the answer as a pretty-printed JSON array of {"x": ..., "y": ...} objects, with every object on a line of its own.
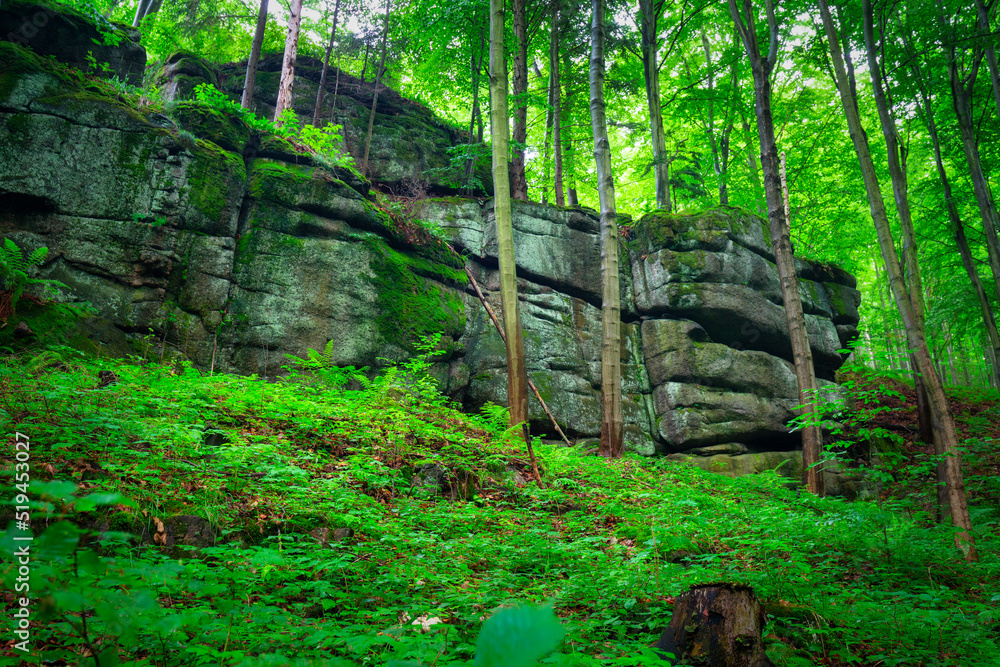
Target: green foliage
[
  {"x": 326, "y": 143},
  {"x": 347, "y": 524},
  {"x": 464, "y": 164},
  {"x": 518, "y": 637},
  {"x": 321, "y": 366},
  {"x": 16, "y": 267}
]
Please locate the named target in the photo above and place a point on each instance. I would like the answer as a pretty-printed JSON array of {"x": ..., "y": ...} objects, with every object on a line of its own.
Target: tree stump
[{"x": 716, "y": 625}]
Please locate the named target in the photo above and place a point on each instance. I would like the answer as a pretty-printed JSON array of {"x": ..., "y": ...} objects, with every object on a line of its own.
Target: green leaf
[
  {"x": 518, "y": 637},
  {"x": 58, "y": 541}
]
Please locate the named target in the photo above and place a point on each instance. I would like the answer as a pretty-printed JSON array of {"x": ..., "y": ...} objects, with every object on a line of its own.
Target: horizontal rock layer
[{"x": 236, "y": 250}]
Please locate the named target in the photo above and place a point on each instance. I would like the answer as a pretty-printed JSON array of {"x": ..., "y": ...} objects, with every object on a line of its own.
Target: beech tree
[
  {"x": 761, "y": 66},
  {"x": 946, "y": 436},
  {"x": 517, "y": 392},
  {"x": 326, "y": 65},
  {"x": 288, "y": 62},
  {"x": 378, "y": 82},
  {"x": 250, "y": 81},
  {"x": 611, "y": 371},
  {"x": 897, "y": 174}
]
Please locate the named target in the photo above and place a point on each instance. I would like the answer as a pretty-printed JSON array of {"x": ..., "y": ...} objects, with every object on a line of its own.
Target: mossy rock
[
  {"x": 74, "y": 37},
  {"x": 206, "y": 123},
  {"x": 412, "y": 301}
]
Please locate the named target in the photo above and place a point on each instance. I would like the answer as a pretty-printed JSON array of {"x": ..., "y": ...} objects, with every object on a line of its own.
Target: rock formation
[{"x": 235, "y": 249}]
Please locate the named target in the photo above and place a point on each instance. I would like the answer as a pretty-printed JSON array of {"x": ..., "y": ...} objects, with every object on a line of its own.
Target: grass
[{"x": 366, "y": 525}]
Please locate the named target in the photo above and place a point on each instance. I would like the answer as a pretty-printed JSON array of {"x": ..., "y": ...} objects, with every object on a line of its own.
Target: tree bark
[
  {"x": 960, "y": 93},
  {"x": 476, "y": 115},
  {"x": 958, "y": 229},
  {"x": 648, "y": 20},
  {"x": 547, "y": 141},
  {"x": 566, "y": 124},
  {"x": 518, "y": 180},
  {"x": 944, "y": 424},
  {"x": 140, "y": 12},
  {"x": 991, "y": 53},
  {"x": 557, "y": 169},
  {"x": 250, "y": 81},
  {"x": 897, "y": 174},
  {"x": 288, "y": 63},
  {"x": 378, "y": 82},
  {"x": 761, "y": 66},
  {"x": 326, "y": 65},
  {"x": 719, "y": 625},
  {"x": 611, "y": 371},
  {"x": 517, "y": 395}
]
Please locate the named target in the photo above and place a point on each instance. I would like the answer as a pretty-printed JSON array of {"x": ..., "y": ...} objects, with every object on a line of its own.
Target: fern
[{"x": 15, "y": 267}]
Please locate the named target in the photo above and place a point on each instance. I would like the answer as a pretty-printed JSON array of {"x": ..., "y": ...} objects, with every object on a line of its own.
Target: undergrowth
[{"x": 366, "y": 522}]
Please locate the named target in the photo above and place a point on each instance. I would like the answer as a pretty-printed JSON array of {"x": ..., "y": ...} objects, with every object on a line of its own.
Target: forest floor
[{"x": 328, "y": 519}]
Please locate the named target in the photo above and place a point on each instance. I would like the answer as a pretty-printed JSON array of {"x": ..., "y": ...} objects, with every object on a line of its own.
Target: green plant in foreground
[{"x": 16, "y": 267}]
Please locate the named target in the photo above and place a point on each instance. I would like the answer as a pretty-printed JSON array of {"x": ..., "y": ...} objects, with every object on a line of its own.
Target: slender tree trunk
[
  {"x": 326, "y": 65},
  {"x": 713, "y": 141},
  {"x": 518, "y": 180},
  {"x": 250, "y": 80},
  {"x": 140, "y": 12},
  {"x": 476, "y": 116},
  {"x": 761, "y": 66},
  {"x": 991, "y": 53},
  {"x": 611, "y": 371},
  {"x": 648, "y": 19},
  {"x": 547, "y": 141},
  {"x": 944, "y": 424},
  {"x": 378, "y": 82},
  {"x": 752, "y": 165},
  {"x": 336, "y": 89},
  {"x": 960, "y": 93},
  {"x": 897, "y": 174},
  {"x": 364, "y": 67},
  {"x": 724, "y": 149},
  {"x": 288, "y": 64},
  {"x": 517, "y": 394},
  {"x": 557, "y": 175},
  {"x": 567, "y": 124}
]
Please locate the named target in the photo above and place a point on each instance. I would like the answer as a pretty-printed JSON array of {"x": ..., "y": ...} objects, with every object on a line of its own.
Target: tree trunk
[
  {"x": 713, "y": 141},
  {"x": 761, "y": 66},
  {"x": 326, "y": 65},
  {"x": 944, "y": 424},
  {"x": 752, "y": 165},
  {"x": 378, "y": 81},
  {"x": 991, "y": 53},
  {"x": 517, "y": 393},
  {"x": 960, "y": 93},
  {"x": 897, "y": 174},
  {"x": 557, "y": 175},
  {"x": 288, "y": 63},
  {"x": 547, "y": 141},
  {"x": 140, "y": 12},
  {"x": 566, "y": 124},
  {"x": 611, "y": 371},
  {"x": 518, "y": 181},
  {"x": 651, "y": 75},
  {"x": 726, "y": 134},
  {"x": 250, "y": 80},
  {"x": 476, "y": 115},
  {"x": 718, "y": 625}
]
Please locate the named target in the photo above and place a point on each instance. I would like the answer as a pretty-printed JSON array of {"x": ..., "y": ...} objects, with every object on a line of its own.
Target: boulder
[{"x": 86, "y": 41}]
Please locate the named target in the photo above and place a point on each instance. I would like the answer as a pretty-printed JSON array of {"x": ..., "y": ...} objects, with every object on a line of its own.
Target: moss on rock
[
  {"x": 204, "y": 122},
  {"x": 410, "y": 304}
]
